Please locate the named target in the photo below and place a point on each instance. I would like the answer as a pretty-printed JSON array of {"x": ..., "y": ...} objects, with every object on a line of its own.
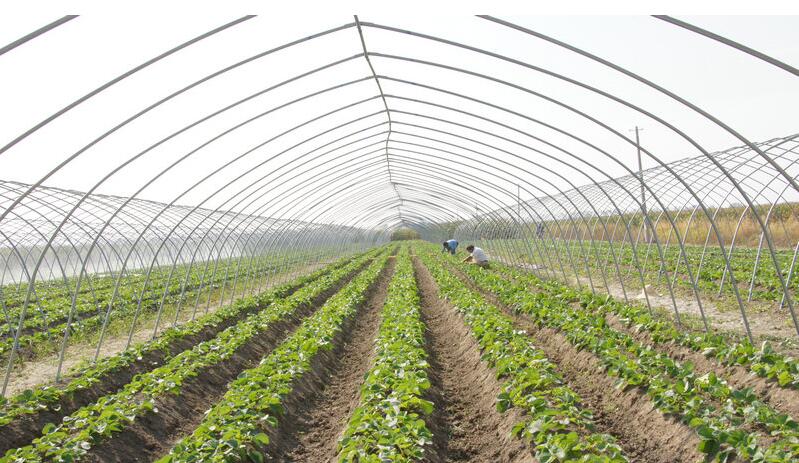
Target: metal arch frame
[
  {"x": 716, "y": 121},
  {"x": 36, "y": 33},
  {"x": 687, "y": 187},
  {"x": 136, "y": 241},
  {"x": 507, "y": 193},
  {"x": 475, "y": 179},
  {"x": 526, "y": 185},
  {"x": 80, "y": 224},
  {"x": 252, "y": 216},
  {"x": 356, "y": 140},
  {"x": 710, "y": 180},
  {"x": 577, "y": 199},
  {"x": 235, "y": 159},
  {"x": 21, "y": 197},
  {"x": 644, "y": 81},
  {"x": 540, "y": 166},
  {"x": 110, "y": 306},
  {"x": 527, "y": 91},
  {"x": 385, "y": 104},
  {"x": 492, "y": 213},
  {"x": 46, "y": 205},
  {"x": 731, "y": 43},
  {"x": 255, "y": 213},
  {"x": 709, "y": 191},
  {"x": 117, "y": 80},
  {"x": 132, "y": 197},
  {"x": 346, "y": 199},
  {"x": 759, "y": 193},
  {"x": 175, "y": 94},
  {"x": 539, "y": 122}
]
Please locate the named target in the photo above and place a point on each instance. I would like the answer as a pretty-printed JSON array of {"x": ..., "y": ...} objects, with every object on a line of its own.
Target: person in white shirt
[{"x": 476, "y": 256}]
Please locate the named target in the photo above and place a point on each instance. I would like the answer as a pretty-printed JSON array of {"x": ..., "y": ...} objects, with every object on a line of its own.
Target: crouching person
[{"x": 476, "y": 256}]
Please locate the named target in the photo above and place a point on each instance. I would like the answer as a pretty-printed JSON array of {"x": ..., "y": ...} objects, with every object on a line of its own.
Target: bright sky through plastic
[{"x": 51, "y": 71}]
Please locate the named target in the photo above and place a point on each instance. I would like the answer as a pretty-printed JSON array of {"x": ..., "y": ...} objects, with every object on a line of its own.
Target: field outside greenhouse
[{"x": 232, "y": 240}]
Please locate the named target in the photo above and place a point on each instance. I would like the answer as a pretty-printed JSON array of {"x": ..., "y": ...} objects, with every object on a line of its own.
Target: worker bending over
[
  {"x": 451, "y": 246},
  {"x": 476, "y": 256}
]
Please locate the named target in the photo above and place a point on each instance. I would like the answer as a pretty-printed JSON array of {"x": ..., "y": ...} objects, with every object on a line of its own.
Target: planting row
[
  {"x": 236, "y": 427},
  {"x": 13, "y": 295},
  {"x": 763, "y": 361},
  {"x": 388, "y": 424},
  {"x": 554, "y": 422},
  {"x": 53, "y": 304},
  {"x": 48, "y": 396},
  {"x": 730, "y": 423},
  {"x": 113, "y": 413}
]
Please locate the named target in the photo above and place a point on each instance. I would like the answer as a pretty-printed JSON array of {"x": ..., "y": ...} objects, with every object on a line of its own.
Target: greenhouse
[{"x": 221, "y": 239}]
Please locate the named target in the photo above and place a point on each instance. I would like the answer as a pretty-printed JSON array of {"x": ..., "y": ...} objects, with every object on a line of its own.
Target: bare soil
[
  {"x": 642, "y": 431},
  {"x": 466, "y": 424},
  {"x": 318, "y": 409}
]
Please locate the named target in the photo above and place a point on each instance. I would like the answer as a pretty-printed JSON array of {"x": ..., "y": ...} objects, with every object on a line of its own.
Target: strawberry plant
[
  {"x": 559, "y": 429},
  {"x": 234, "y": 429},
  {"x": 111, "y": 414},
  {"x": 672, "y": 386},
  {"x": 47, "y": 396},
  {"x": 388, "y": 424}
]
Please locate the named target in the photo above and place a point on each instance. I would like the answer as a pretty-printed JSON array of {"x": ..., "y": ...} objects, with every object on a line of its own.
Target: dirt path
[
  {"x": 643, "y": 432},
  {"x": 155, "y": 433},
  {"x": 466, "y": 424},
  {"x": 309, "y": 432},
  {"x": 764, "y": 324}
]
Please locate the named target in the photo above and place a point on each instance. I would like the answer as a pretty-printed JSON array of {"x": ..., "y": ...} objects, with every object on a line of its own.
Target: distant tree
[{"x": 404, "y": 234}]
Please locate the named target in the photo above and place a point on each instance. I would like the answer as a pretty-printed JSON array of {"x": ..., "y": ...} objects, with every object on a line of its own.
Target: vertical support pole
[{"x": 641, "y": 179}]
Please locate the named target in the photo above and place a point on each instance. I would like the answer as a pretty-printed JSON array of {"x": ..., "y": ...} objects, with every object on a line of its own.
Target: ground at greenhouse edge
[
  {"x": 466, "y": 424},
  {"x": 644, "y": 434},
  {"x": 319, "y": 407},
  {"x": 764, "y": 325},
  {"x": 38, "y": 372}
]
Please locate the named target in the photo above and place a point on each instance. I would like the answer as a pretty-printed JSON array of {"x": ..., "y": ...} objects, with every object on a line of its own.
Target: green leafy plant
[
  {"x": 559, "y": 429},
  {"x": 388, "y": 424},
  {"x": 78, "y": 432},
  {"x": 234, "y": 429}
]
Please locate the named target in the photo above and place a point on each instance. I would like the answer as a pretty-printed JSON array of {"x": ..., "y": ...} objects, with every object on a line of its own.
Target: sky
[{"x": 40, "y": 77}]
